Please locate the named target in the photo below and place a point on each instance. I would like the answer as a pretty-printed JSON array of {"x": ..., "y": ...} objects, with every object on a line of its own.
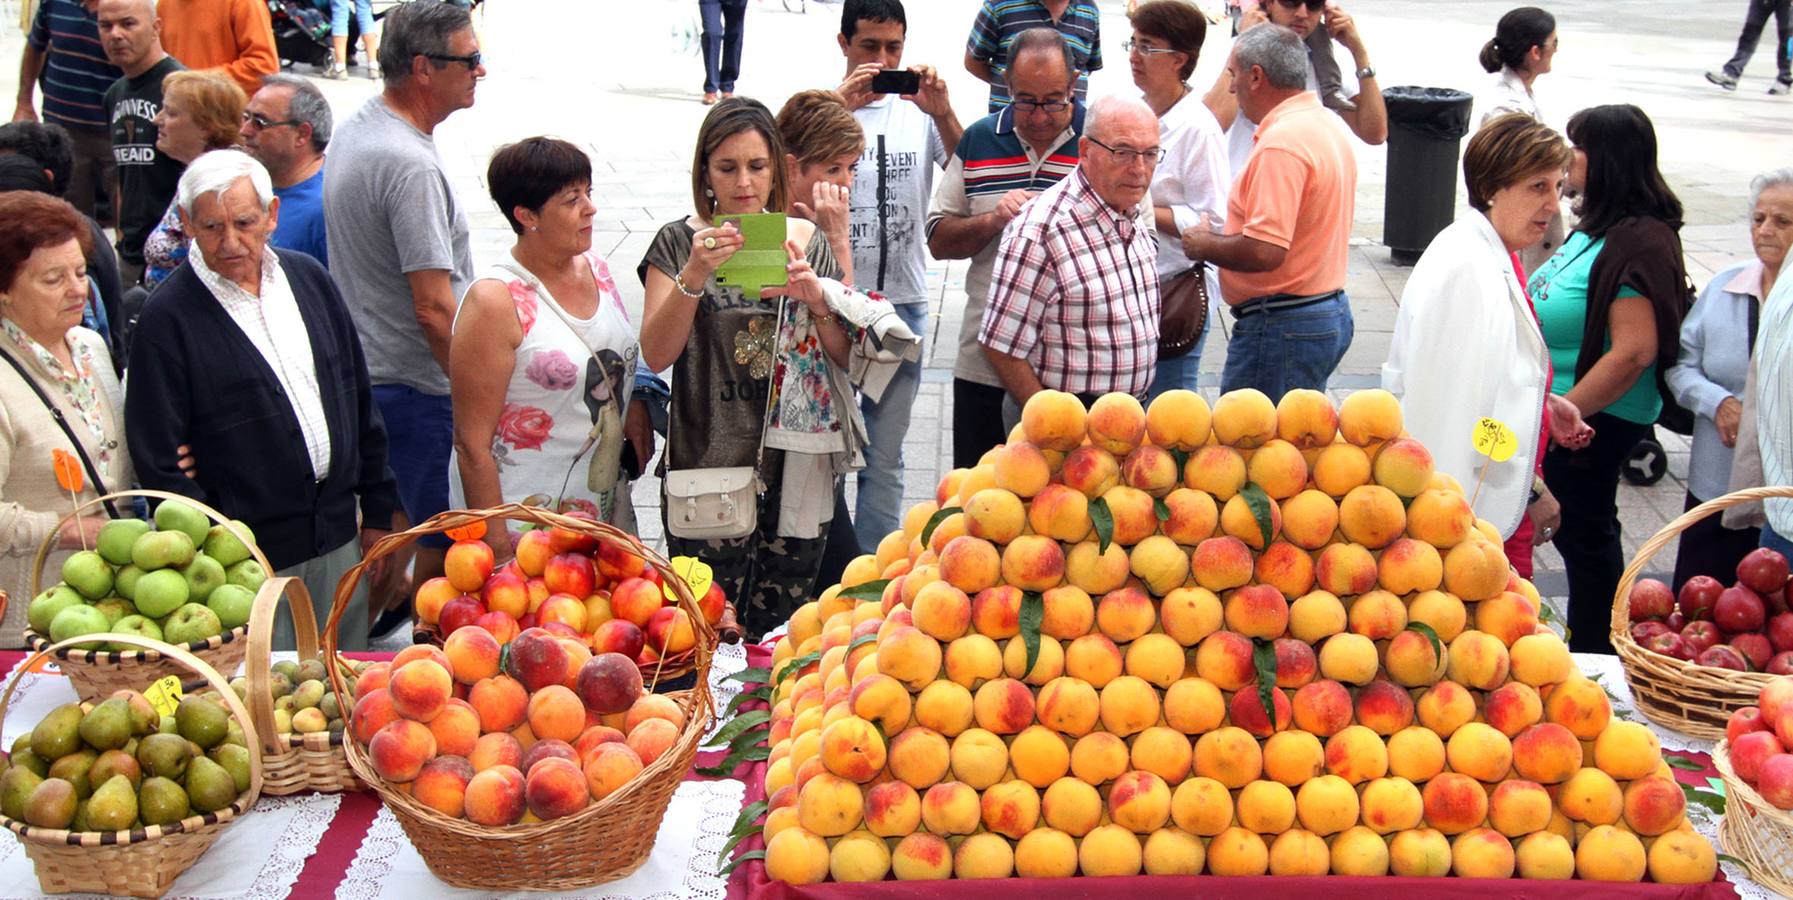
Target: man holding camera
[{"x": 909, "y": 130}]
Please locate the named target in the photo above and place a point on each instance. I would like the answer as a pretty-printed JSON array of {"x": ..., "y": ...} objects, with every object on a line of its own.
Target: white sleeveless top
[{"x": 571, "y": 383}]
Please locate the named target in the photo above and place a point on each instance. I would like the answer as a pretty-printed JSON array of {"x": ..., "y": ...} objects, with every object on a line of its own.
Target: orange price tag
[
  {"x": 68, "y": 470},
  {"x": 471, "y": 531}
]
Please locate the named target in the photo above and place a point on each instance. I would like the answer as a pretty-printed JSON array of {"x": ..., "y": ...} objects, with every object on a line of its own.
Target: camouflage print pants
[{"x": 766, "y": 576}]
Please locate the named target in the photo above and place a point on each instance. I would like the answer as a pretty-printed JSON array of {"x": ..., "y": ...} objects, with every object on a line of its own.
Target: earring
[
  {"x": 535, "y": 228},
  {"x": 709, "y": 193}
]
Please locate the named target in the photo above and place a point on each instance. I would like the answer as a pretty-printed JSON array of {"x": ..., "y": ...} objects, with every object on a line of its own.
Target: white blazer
[{"x": 1466, "y": 345}]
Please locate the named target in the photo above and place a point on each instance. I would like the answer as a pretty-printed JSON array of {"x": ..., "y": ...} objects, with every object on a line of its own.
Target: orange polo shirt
[
  {"x": 233, "y": 37},
  {"x": 1298, "y": 191}
]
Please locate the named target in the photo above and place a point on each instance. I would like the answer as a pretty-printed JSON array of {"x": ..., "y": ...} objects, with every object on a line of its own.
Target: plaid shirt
[{"x": 1076, "y": 293}]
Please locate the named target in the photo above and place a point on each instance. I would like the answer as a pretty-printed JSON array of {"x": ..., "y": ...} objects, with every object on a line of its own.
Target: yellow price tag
[
  {"x": 697, "y": 575},
  {"x": 1495, "y": 440},
  {"x": 164, "y": 695}
]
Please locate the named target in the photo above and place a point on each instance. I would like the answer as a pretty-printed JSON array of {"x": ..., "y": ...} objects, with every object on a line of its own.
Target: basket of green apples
[
  {"x": 123, "y": 795},
  {"x": 188, "y": 578}
]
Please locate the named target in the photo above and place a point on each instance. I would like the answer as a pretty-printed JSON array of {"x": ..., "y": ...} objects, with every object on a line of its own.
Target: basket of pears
[
  {"x": 122, "y": 795},
  {"x": 187, "y": 577},
  {"x": 298, "y": 717}
]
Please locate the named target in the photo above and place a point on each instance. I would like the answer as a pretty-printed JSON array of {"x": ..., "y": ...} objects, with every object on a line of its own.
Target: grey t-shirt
[{"x": 389, "y": 211}]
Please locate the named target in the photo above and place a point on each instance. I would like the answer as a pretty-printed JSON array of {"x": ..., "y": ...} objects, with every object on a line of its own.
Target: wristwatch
[{"x": 1366, "y": 72}]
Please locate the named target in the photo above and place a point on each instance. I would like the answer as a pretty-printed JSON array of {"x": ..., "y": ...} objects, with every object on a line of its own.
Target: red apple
[
  {"x": 536, "y": 659},
  {"x": 1651, "y": 599},
  {"x": 618, "y": 636},
  {"x": 1749, "y": 750},
  {"x": 468, "y": 564},
  {"x": 506, "y": 592},
  {"x": 1743, "y": 721},
  {"x": 1722, "y": 656},
  {"x": 459, "y": 613},
  {"x": 570, "y": 573},
  {"x": 1739, "y": 609},
  {"x": 1776, "y": 699},
  {"x": 1643, "y": 631},
  {"x": 1675, "y": 621},
  {"x": 1701, "y": 635},
  {"x": 1670, "y": 644},
  {"x": 502, "y": 625},
  {"x": 1780, "y": 664},
  {"x": 711, "y": 603},
  {"x": 636, "y": 599},
  {"x": 1780, "y": 632},
  {"x": 1754, "y": 648},
  {"x": 1776, "y": 601},
  {"x": 565, "y": 541},
  {"x": 533, "y": 552},
  {"x": 1776, "y": 781},
  {"x": 1698, "y": 596},
  {"x": 1762, "y": 570}
]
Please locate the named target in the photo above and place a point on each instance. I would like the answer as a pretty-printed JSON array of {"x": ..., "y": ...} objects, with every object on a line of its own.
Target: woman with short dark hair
[
  {"x": 1611, "y": 303},
  {"x": 543, "y": 355},
  {"x": 58, "y": 393}
]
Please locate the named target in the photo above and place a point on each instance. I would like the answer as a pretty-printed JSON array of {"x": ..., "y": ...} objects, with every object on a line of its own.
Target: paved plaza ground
[{"x": 623, "y": 78}]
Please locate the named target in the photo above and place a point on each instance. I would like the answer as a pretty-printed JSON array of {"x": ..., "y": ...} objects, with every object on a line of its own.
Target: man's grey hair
[
  {"x": 1275, "y": 49},
  {"x": 417, "y": 28},
  {"x": 1772, "y": 178},
  {"x": 308, "y": 106},
  {"x": 1100, "y": 112},
  {"x": 1040, "y": 39},
  {"x": 218, "y": 171}
]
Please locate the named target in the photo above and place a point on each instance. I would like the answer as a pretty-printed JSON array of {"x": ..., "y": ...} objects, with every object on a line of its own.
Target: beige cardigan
[{"x": 31, "y": 503}]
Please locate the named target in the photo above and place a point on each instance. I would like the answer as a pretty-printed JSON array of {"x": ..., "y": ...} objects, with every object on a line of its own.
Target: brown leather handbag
[{"x": 1183, "y": 311}]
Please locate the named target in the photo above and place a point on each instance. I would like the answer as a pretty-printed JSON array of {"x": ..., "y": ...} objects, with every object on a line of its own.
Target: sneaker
[
  {"x": 1779, "y": 88},
  {"x": 337, "y": 73},
  {"x": 1723, "y": 80},
  {"x": 373, "y": 71}
]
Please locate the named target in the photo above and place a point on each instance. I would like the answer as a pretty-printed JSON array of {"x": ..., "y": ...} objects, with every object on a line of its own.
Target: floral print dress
[{"x": 570, "y": 386}]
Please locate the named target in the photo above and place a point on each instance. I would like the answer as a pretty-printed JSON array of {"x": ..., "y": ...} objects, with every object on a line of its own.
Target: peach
[
  {"x": 920, "y": 857},
  {"x": 608, "y": 768},
  {"x": 1247, "y": 711},
  {"x": 1546, "y": 753},
  {"x": 431, "y": 596},
  {"x": 1445, "y": 707},
  {"x": 1179, "y": 420},
  {"x": 1139, "y": 802},
  {"x": 1579, "y": 705},
  {"x": 1266, "y": 807},
  {"x": 1345, "y": 569},
  {"x": 1440, "y": 518},
  {"x": 1189, "y": 614},
  {"x": 653, "y": 706},
  {"x": 1377, "y": 615},
  {"x": 420, "y": 688},
  {"x": 1098, "y": 757},
  {"x": 1517, "y": 808},
  {"x": 1244, "y": 418},
  {"x": 1293, "y": 757},
  {"x": 944, "y": 707},
  {"x": 1315, "y": 616},
  {"x": 399, "y": 750},
  {"x": 1454, "y": 803},
  {"x": 1090, "y": 471},
  {"x": 1299, "y": 852},
  {"x": 1221, "y": 563},
  {"x": 1202, "y": 806},
  {"x": 1682, "y": 857},
  {"x": 537, "y": 658},
  {"x": 1512, "y": 708},
  {"x": 853, "y": 749},
  {"x": 1068, "y": 706},
  {"x": 1156, "y": 658},
  {"x": 1360, "y": 852},
  {"x": 1475, "y": 570},
  {"x": 1216, "y": 471},
  {"x": 1039, "y": 757},
  {"x": 1003, "y": 706},
  {"x": 442, "y": 785},
  {"x": 1356, "y": 754},
  {"x": 883, "y": 700},
  {"x": 1369, "y": 417},
  {"x": 909, "y": 656},
  {"x": 566, "y": 609},
  {"x": 1163, "y": 752},
  {"x": 1627, "y": 750},
  {"x": 1384, "y": 708},
  {"x": 555, "y": 713},
  {"x": 1478, "y": 660},
  {"x": 1591, "y": 796},
  {"x": 1482, "y": 853},
  {"x": 1404, "y": 466},
  {"x": 1540, "y": 659},
  {"x": 829, "y": 805},
  {"x": 1326, "y": 805},
  {"x": 1116, "y": 423},
  {"x": 1011, "y": 808},
  {"x": 1110, "y": 851},
  {"x": 1350, "y": 658},
  {"x": 1160, "y": 563},
  {"x": 1129, "y": 705},
  {"x": 970, "y": 563},
  {"x": 1443, "y": 613},
  {"x": 1420, "y": 853},
  {"x": 1034, "y": 563},
  {"x": 468, "y": 564},
  {"x": 941, "y": 611},
  {"x": 1278, "y": 468},
  {"x": 951, "y": 807},
  {"x": 1134, "y": 513},
  {"x": 1296, "y": 663},
  {"x": 1193, "y": 516},
  {"x": 1309, "y": 519},
  {"x": 652, "y": 739},
  {"x": 892, "y": 809},
  {"x": 860, "y": 856},
  {"x": 1238, "y": 520},
  {"x": 1094, "y": 570},
  {"x": 1654, "y": 805},
  {"x": 1071, "y": 806},
  {"x": 1257, "y": 611},
  {"x": 1340, "y": 467},
  {"x": 555, "y": 788},
  {"x": 995, "y": 515},
  {"x": 1193, "y": 706},
  {"x": 1170, "y": 851},
  {"x": 983, "y": 855},
  {"x": 953, "y": 526},
  {"x": 618, "y": 636},
  {"x": 1415, "y": 753},
  {"x": 498, "y": 748},
  {"x": 1479, "y": 751},
  {"x": 1020, "y": 468},
  {"x": 1151, "y": 469},
  {"x": 1058, "y": 512},
  {"x": 1544, "y": 855},
  {"x": 1053, "y": 420},
  {"x": 1094, "y": 659},
  {"x": 1046, "y": 853},
  {"x": 1411, "y": 660},
  {"x": 979, "y": 758},
  {"x": 1238, "y": 852},
  {"x": 1228, "y": 755},
  {"x": 1507, "y": 616},
  {"x": 1408, "y": 566},
  {"x": 1225, "y": 658},
  {"x": 1607, "y": 853},
  {"x": 1321, "y": 708},
  {"x": 996, "y": 612},
  {"x": 1372, "y": 515},
  {"x": 1067, "y": 612},
  {"x": 1391, "y": 804},
  {"x": 1306, "y": 419},
  {"x": 919, "y": 757},
  {"x": 373, "y": 711},
  {"x": 456, "y": 729},
  {"x": 496, "y": 797},
  {"x": 795, "y": 856}
]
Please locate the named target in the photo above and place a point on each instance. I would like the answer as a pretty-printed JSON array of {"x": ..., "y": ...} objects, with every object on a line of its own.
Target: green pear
[
  {"x": 113, "y": 807},
  {"x": 224, "y": 547},
  {"x": 234, "y": 735},
  {"x": 164, "y": 755},
  {"x": 161, "y": 592},
  {"x": 309, "y": 694},
  {"x": 16, "y": 786},
  {"x": 289, "y": 668},
  {"x": 209, "y": 787},
  {"x": 116, "y": 538},
  {"x": 108, "y": 727},
  {"x": 331, "y": 706},
  {"x": 232, "y": 603},
  {"x": 202, "y": 721},
  {"x": 173, "y": 515},
  {"x": 143, "y": 716},
  {"x": 116, "y": 763},
  {"x": 23, "y": 758},
  {"x": 312, "y": 670},
  {"x": 59, "y": 733},
  {"x": 247, "y": 573},
  {"x": 141, "y": 626},
  {"x": 203, "y": 574},
  {"x": 80, "y": 820},
  {"x": 78, "y": 621},
  {"x": 161, "y": 549},
  {"x": 45, "y": 606},
  {"x": 160, "y": 801},
  {"x": 125, "y": 582},
  {"x": 235, "y": 760},
  {"x": 51, "y": 804},
  {"x": 280, "y": 684},
  {"x": 73, "y": 769},
  {"x": 89, "y": 573}
]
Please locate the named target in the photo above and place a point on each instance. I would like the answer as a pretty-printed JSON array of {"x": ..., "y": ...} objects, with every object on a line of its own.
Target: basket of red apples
[
  {"x": 1695, "y": 656},
  {"x": 1756, "y": 760}
]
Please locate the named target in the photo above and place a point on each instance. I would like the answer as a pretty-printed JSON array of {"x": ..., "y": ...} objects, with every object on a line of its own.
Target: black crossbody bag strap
[{"x": 93, "y": 476}]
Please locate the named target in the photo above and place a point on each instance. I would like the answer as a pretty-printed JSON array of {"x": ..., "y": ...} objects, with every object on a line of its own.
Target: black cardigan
[
  {"x": 1644, "y": 254},
  {"x": 196, "y": 379}
]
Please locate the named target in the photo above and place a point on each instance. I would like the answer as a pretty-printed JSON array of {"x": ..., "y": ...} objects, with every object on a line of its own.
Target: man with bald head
[
  {"x": 1074, "y": 300},
  {"x": 131, "y": 35}
]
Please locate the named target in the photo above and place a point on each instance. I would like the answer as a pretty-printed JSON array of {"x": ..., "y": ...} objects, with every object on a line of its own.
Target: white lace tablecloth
[{"x": 683, "y": 864}]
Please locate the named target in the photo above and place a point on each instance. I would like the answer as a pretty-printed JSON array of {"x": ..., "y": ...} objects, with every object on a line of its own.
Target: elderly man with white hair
[
  {"x": 1074, "y": 298},
  {"x": 247, "y": 356}
]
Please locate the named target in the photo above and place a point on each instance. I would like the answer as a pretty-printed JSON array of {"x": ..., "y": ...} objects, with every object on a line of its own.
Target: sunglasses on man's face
[
  {"x": 471, "y": 60},
  {"x": 1313, "y": 5}
]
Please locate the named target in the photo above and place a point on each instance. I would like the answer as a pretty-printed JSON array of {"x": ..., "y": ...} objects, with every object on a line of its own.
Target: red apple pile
[
  {"x": 1760, "y": 739},
  {"x": 1746, "y": 626},
  {"x": 570, "y": 585}
]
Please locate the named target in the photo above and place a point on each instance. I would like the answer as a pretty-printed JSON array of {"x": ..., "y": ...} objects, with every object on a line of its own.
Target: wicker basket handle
[
  {"x": 1621, "y": 610},
  {"x": 261, "y": 640},
  {"x": 181, "y": 655},
  {"x": 49, "y": 545}
]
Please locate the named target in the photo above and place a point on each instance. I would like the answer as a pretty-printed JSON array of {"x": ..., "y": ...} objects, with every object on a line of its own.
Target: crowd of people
[{"x": 305, "y": 342}]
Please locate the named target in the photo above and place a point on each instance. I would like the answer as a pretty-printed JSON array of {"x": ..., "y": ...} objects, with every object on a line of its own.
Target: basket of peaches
[
  {"x": 603, "y": 593},
  {"x": 532, "y": 762}
]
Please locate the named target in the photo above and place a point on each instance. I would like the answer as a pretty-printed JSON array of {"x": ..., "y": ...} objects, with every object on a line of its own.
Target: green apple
[
  {"x": 203, "y": 575},
  {"x": 46, "y": 605},
  {"x": 247, "y": 573},
  {"x": 116, "y": 538},
  {"x": 173, "y": 515},
  {"x": 89, "y": 573},
  {"x": 161, "y": 592},
  {"x": 224, "y": 547},
  {"x": 125, "y": 582},
  {"x": 115, "y": 608},
  {"x": 77, "y": 621},
  {"x": 141, "y": 626},
  {"x": 232, "y": 603},
  {"x": 192, "y": 623},
  {"x": 161, "y": 549}
]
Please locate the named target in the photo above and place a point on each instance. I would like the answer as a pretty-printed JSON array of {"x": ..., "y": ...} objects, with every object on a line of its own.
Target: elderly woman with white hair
[
  {"x": 1718, "y": 341},
  {"x": 248, "y": 356}
]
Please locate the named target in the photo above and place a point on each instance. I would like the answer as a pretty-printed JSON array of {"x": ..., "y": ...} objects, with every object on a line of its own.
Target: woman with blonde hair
[
  {"x": 201, "y": 111},
  {"x": 822, "y": 144}
]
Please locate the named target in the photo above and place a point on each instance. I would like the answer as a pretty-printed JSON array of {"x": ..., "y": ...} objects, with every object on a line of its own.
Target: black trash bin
[{"x": 1425, "y": 126}]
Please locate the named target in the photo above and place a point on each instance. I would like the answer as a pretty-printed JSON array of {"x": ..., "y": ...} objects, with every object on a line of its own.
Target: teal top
[{"x": 1559, "y": 290}]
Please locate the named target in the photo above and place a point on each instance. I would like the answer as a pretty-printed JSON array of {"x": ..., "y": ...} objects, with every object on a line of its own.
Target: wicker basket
[
  {"x": 605, "y": 841},
  {"x": 143, "y": 862},
  {"x": 293, "y": 763},
  {"x": 1689, "y": 698},
  {"x": 97, "y": 673},
  {"x": 1755, "y": 831}
]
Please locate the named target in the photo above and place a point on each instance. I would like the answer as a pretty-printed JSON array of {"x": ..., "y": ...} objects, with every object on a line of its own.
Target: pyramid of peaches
[{"x": 1262, "y": 638}]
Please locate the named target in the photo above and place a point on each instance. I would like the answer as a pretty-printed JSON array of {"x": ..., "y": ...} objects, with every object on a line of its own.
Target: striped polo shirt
[
  {"x": 1000, "y": 21},
  {"x": 76, "y": 73}
]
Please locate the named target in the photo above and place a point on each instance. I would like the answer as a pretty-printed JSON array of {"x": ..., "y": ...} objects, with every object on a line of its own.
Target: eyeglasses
[
  {"x": 1127, "y": 156},
  {"x": 471, "y": 60},
  {"x": 1132, "y": 45},
  {"x": 1051, "y": 106},
  {"x": 1310, "y": 4},
  {"x": 264, "y": 123}
]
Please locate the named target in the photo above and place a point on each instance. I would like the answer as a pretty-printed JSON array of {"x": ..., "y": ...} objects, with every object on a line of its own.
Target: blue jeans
[
  {"x": 1181, "y": 372},
  {"x": 419, "y": 434},
  {"x": 723, "y": 24},
  {"x": 1774, "y": 541},
  {"x": 887, "y": 423},
  {"x": 339, "y": 16},
  {"x": 1278, "y": 351}
]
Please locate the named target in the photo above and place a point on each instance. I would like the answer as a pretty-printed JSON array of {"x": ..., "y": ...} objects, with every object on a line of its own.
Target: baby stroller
[{"x": 302, "y": 32}]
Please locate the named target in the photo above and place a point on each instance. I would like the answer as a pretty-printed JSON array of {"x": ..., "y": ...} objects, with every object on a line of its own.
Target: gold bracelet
[
  {"x": 828, "y": 319},
  {"x": 678, "y": 281}
]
